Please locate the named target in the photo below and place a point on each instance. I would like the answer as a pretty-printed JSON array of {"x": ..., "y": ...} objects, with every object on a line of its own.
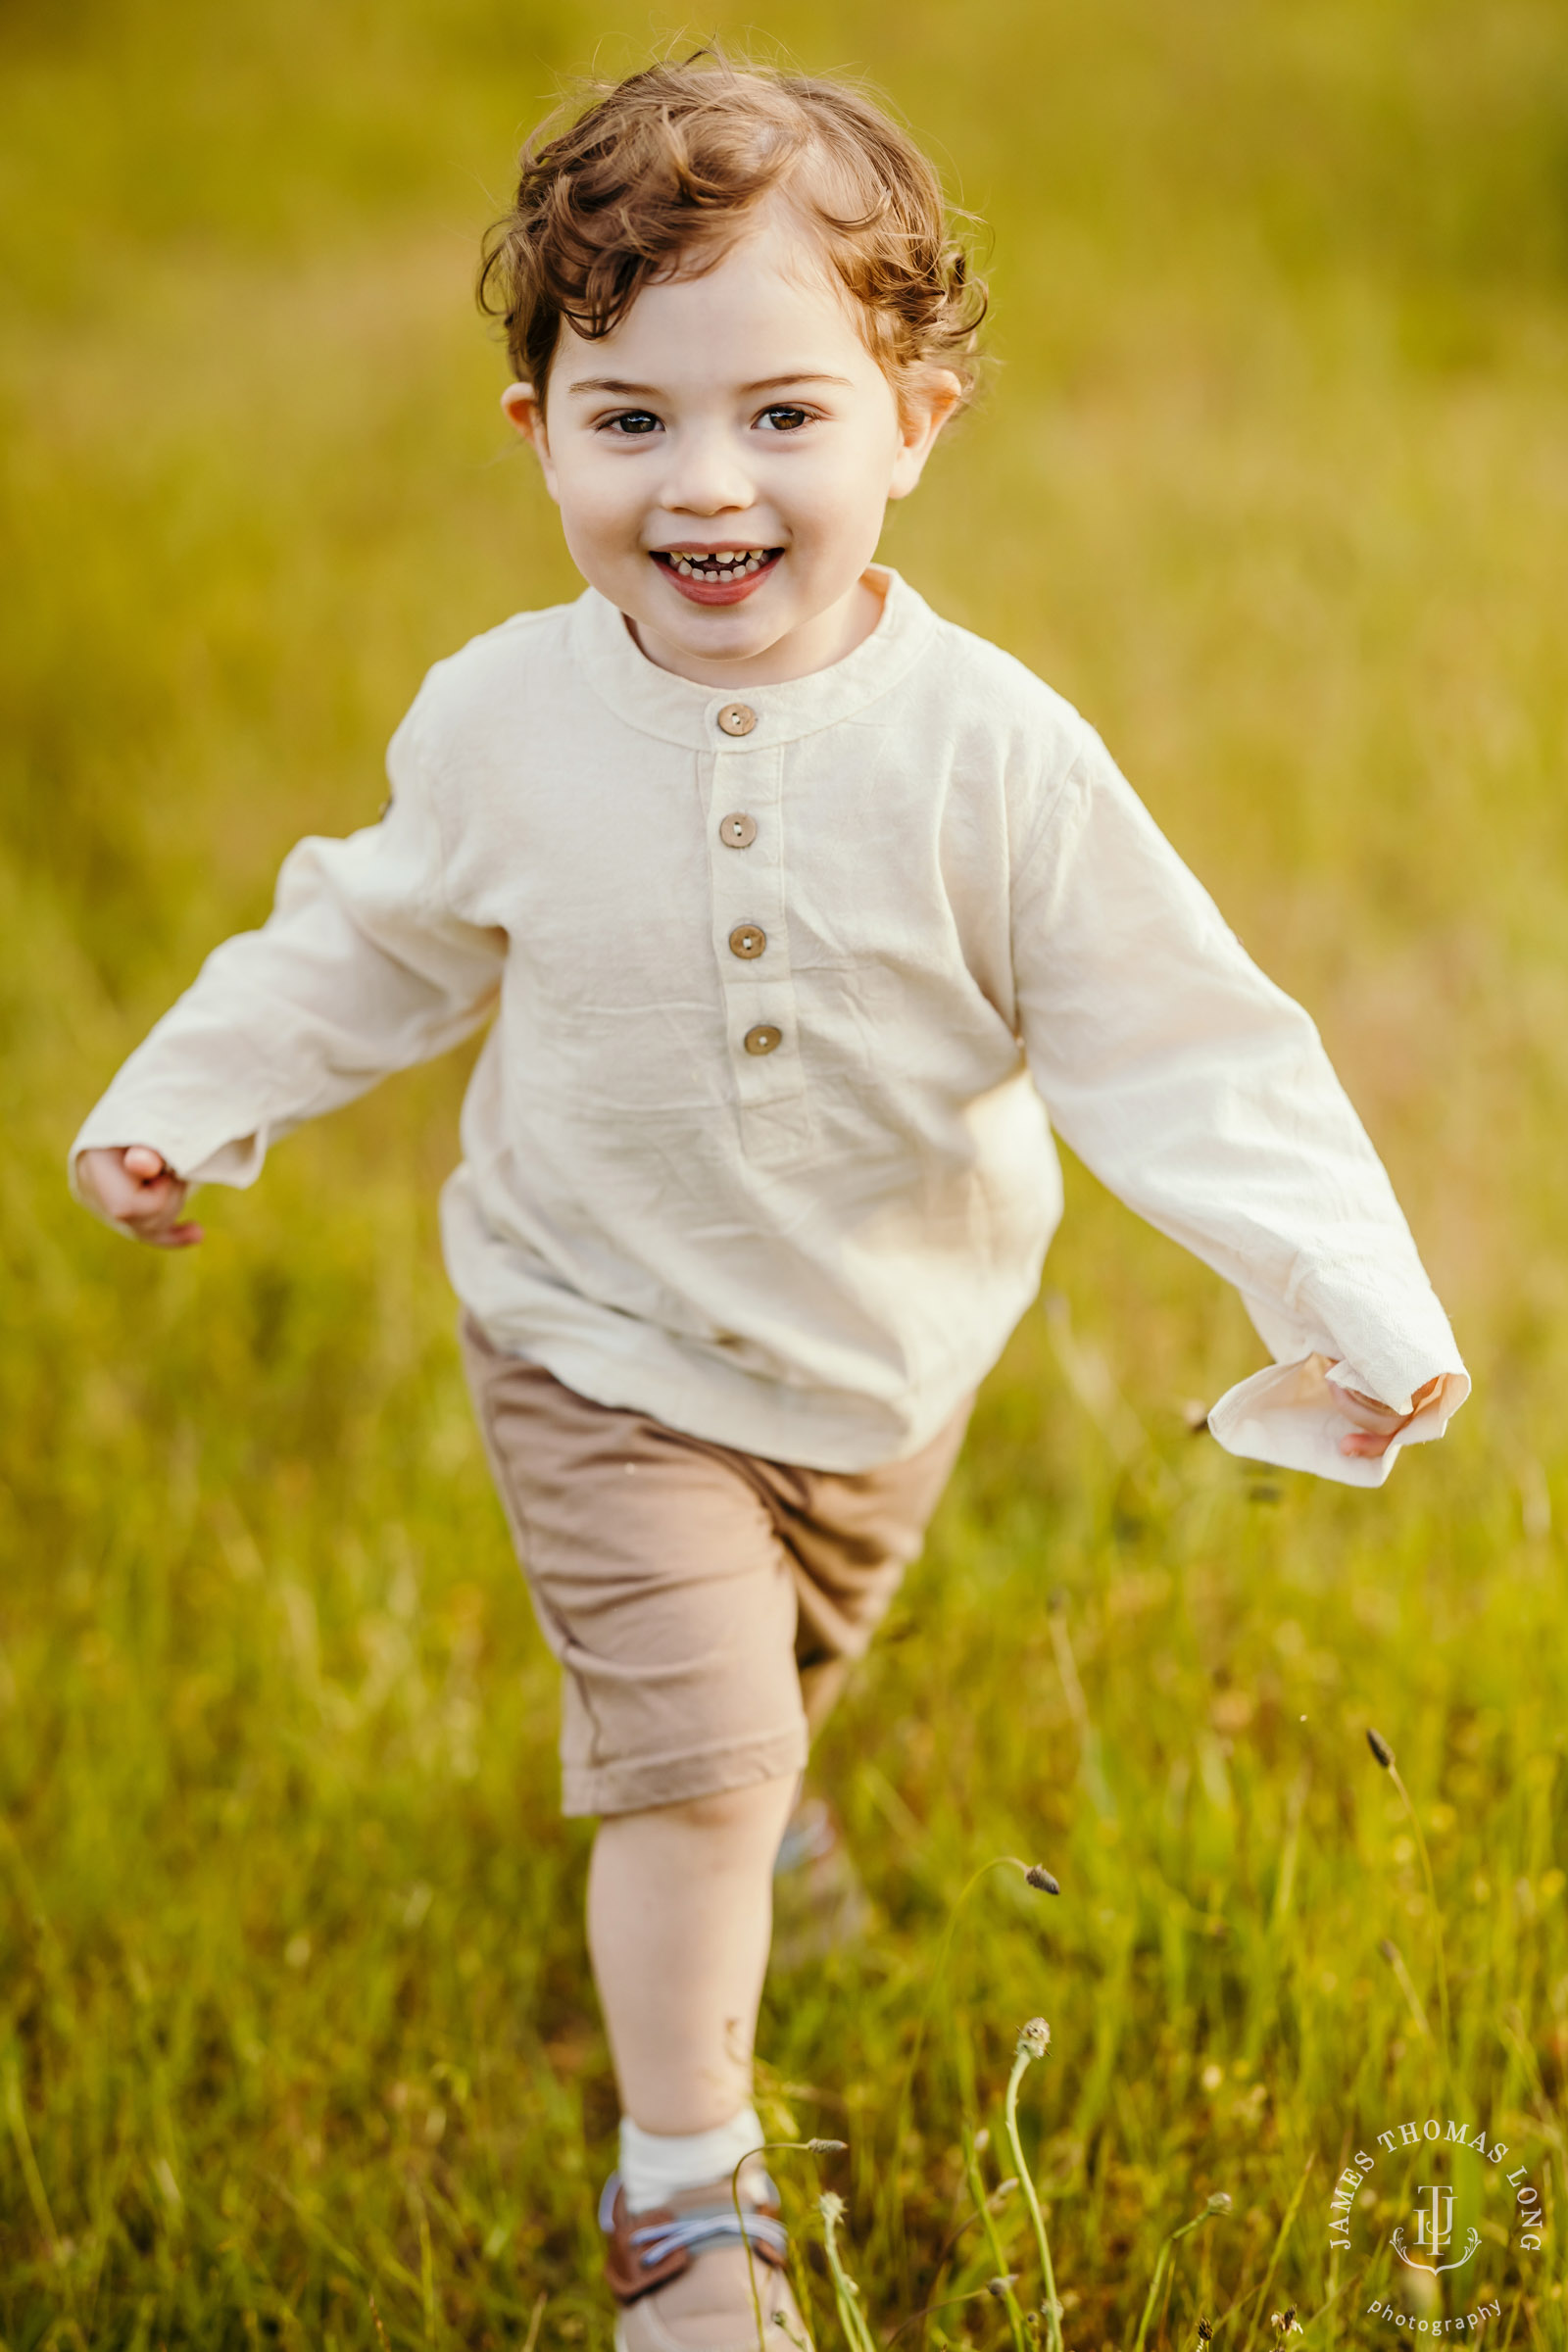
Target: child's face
[{"x": 736, "y": 414}]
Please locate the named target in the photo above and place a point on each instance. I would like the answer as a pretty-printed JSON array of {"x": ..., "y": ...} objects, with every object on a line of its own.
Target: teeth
[{"x": 723, "y": 564}]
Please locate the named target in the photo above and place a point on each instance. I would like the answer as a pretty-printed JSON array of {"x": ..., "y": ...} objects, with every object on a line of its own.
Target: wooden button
[
  {"x": 762, "y": 1038},
  {"x": 746, "y": 940},
  {"x": 737, "y": 831},
  {"x": 737, "y": 718}
]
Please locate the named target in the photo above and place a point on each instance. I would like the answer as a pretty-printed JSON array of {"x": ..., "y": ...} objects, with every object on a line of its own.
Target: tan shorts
[{"x": 702, "y": 1602}]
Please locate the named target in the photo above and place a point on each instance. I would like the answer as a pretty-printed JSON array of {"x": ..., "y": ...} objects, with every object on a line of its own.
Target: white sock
[{"x": 654, "y": 2165}]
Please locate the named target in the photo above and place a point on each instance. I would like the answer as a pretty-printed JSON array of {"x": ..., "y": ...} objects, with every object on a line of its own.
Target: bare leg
[{"x": 679, "y": 1915}]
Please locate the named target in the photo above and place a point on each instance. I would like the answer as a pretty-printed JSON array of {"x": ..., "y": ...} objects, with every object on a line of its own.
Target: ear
[
  {"x": 923, "y": 410},
  {"x": 524, "y": 411}
]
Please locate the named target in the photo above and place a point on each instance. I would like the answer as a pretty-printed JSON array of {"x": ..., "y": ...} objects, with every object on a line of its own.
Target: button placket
[{"x": 750, "y": 937}]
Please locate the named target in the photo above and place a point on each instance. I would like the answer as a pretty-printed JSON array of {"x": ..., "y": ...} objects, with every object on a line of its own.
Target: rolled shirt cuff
[{"x": 1290, "y": 1417}]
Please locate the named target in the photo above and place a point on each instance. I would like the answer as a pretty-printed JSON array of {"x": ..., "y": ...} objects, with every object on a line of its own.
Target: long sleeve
[
  {"x": 1200, "y": 1095},
  {"x": 359, "y": 970}
]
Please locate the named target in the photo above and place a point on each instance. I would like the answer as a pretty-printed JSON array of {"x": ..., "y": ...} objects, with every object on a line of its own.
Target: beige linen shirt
[{"x": 788, "y": 992}]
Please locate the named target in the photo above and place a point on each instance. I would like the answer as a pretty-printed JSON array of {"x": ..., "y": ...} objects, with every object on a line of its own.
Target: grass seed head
[
  {"x": 826, "y": 2147},
  {"x": 1379, "y": 1747},
  {"x": 1220, "y": 2202},
  {"x": 1205, "y": 2333},
  {"x": 1389, "y": 1948},
  {"x": 830, "y": 2205},
  {"x": 999, "y": 2286},
  {"x": 1040, "y": 1876},
  {"x": 1034, "y": 2039}
]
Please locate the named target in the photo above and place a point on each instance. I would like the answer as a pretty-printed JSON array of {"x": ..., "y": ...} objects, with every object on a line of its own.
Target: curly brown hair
[{"x": 658, "y": 176}]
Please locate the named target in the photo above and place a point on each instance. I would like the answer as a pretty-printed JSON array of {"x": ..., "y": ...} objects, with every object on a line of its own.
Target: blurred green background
[{"x": 1271, "y": 478}]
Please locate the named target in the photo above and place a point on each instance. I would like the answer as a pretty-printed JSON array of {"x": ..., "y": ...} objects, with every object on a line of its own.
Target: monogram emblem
[{"x": 1434, "y": 2232}]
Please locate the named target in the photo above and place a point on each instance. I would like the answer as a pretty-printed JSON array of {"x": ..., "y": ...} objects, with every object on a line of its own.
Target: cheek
[
  {"x": 847, "y": 492},
  {"x": 599, "y": 502}
]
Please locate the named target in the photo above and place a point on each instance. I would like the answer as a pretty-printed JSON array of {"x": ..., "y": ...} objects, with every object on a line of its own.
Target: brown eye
[
  {"x": 633, "y": 422},
  {"x": 785, "y": 419}
]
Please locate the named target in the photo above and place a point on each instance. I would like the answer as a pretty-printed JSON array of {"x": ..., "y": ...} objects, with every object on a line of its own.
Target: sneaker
[
  {"x": 682, "y": 2273},
  {"x": 819, "y": 1906}
]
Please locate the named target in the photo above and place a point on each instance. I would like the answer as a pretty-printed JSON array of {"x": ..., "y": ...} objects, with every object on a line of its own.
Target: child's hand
[
  {"x": 1376, "y": 1424},
  {"x": 136, "y": 1189}
]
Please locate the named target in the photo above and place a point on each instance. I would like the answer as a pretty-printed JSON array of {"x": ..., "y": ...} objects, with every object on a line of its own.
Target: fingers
[
  {"x": 1367, "y": 1445},
  {"x": 1377, "y": 1424},
  {"x": 157, "y": 1220},
  {"x": 1374, "y": 1421},
  {"x": 138, "y": 1190}
]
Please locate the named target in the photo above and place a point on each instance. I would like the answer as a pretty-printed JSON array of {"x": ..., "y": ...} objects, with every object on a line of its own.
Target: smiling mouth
[
  {"x": 713, "y": 565},
  {"x": 715, "y": 575}
]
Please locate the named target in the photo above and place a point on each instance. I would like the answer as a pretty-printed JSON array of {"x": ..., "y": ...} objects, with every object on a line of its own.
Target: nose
[{"x": 706, "y": 473}]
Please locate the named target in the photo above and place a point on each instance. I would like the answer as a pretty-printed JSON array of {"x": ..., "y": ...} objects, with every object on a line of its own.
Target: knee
[
  {"x": 727, "y": 1812},
  {"x": 733, "y": 1820}
]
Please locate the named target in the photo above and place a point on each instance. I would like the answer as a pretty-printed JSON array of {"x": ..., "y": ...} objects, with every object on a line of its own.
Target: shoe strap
[
  {"x": 710, "y": 2226},
  {"x": 667, "y": 2242}
]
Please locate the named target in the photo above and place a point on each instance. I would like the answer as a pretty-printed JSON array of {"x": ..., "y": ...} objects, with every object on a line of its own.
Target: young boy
[{"x": 801, "y": 914}]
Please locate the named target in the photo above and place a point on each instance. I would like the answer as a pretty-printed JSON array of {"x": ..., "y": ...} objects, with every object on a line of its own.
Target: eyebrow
[{"x": 768, "y": 383}]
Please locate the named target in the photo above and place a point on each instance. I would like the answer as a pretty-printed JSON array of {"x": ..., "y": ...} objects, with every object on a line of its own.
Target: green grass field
[{"x": 1271, "y": 478}]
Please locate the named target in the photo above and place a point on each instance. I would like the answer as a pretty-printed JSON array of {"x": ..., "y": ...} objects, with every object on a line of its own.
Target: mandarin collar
[{"x": 678, "y": 710}]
